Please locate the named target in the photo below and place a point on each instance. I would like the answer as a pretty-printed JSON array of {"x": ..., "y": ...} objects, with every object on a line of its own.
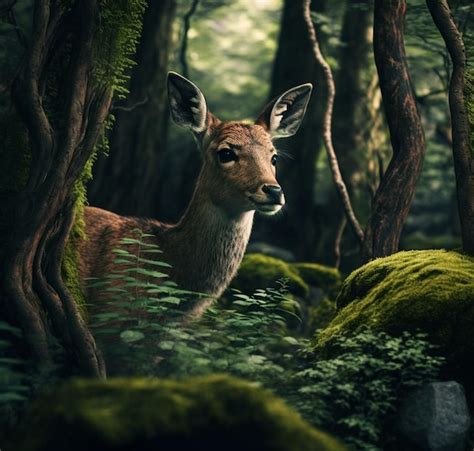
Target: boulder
[
  {"x": 435, "y": 417},
  {"x": 260, "y": 247},
  {"x": 427, "y": 291},
  {"x": 212, "y": 413},
  {"x": 262, "y": 271}
]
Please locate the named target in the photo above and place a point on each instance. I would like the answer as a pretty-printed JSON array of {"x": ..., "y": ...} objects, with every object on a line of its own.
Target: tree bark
[
  {"x": 462, "y": 151},
  {"x": 394, "y": 196},
  {"x": 62, "y": 105},
  {"x": 296, "y": 172},
  {"x": 127, "y": 182},
  {"x": 348, "y": 124}
]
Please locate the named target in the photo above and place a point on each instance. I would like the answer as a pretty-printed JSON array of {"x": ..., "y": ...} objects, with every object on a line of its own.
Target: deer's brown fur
[{"x": 206, "y": 246}]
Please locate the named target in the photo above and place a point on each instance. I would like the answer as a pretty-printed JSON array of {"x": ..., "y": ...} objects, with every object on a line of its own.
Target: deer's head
[{"x": 239, "y": 159}]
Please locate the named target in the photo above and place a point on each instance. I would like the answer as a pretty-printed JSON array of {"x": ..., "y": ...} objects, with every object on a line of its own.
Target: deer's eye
[
  {"x": 227, "y": 155},
  {"x": 274, "y": 159}
]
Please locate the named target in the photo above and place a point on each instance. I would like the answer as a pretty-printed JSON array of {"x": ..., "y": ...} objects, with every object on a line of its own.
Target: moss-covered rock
[
  {"x": 213, "y": 413},
  {"x": 320, "y": 315},
  {"x": 321, "y": 276},
  {"x": 261, "y": 271},
  {"x": 430, "y": 291}
]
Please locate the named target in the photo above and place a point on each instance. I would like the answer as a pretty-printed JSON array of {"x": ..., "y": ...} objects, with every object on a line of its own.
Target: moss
[
  {"x": 317, "y": 275},
  {"x": 261, "y": 271},
  {"x": 116, "y": 39},
  {"x": 431, "y": 291},
  {"x": 212, "y": 413},
  {"x": 319, "y": 316}
]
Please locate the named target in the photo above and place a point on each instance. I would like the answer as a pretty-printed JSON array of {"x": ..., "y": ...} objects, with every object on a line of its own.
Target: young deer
[{"x": 238, "y": 177}]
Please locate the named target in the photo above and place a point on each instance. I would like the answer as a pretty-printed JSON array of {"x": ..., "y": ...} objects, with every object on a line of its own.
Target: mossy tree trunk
[
  {"x": 128, "y": 181},
  {"x": 62, "y": 93},
  {"x": 297, "y": 172},
  {"x": 462, "y": 140},
  {"x": 394, "y": 196}
]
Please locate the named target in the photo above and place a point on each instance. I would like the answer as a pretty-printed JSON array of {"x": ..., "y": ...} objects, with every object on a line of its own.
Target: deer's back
[{"x": 104, "y": 230}]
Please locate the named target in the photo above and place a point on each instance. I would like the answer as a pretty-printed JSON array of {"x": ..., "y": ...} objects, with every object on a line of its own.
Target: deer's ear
[
  {"x": 187, "y": 104},
  {"x": 283, "y": 116}
]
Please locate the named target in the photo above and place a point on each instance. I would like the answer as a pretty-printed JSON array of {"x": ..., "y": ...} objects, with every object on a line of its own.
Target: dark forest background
[{"x": 243, "y": 53}]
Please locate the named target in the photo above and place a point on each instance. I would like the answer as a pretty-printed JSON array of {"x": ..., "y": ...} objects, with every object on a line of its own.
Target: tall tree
[
  {"x": 60, "y": 96},
  {"x": 391, "y": 203},
  {"x": 348, "y": 123},
  {"x": 395, "y": 193},
  {"x": 296, "y": 172},
  {"x": 127, "y": 181},
  {"x": 462, "y": 140}
]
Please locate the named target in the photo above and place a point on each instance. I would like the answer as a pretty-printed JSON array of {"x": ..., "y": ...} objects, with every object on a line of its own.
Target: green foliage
[
  {"x": 212, "y": 413},
  {"x": 430, "y": 291},
  {"x": 354, "y": 393},
  {"x": 146, "y": 322},
  {"x": 116, "y": 39}
]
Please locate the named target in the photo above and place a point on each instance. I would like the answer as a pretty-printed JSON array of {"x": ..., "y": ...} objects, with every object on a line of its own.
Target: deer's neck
[{"x": 206, "y": 247}]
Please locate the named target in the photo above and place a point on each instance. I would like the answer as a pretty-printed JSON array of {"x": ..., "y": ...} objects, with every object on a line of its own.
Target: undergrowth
[{"x": 143, "y": 329}]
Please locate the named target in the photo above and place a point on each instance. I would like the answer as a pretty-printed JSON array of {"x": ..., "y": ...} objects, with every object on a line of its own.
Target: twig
[
  {"x": 184, "y": 42},
  {"x": 327, "y": 135},
  {"x": 131, "y": 107}
]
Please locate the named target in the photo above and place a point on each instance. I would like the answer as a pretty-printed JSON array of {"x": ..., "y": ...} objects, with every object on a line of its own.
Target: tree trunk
[
  {"x": 393, "y": 198},
  {"x": 348, "y": 124},
  {"x": 127, "y": 182},
  {"x": 462, "y": 151},
  {"x": 62, "y": 95},
  {"x": 296, "y": 173}
]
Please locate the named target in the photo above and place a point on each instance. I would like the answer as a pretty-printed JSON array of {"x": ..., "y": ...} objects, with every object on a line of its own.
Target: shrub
[
  {"x": 354, "y": 393},
  {"x": 431, "y": 291}
]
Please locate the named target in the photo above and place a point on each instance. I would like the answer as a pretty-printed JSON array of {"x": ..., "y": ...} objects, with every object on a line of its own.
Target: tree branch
[
  {"x": 462, "y": 152},
  {"x": 184, "y": 42},
  {"x": 327, "y": 134}
]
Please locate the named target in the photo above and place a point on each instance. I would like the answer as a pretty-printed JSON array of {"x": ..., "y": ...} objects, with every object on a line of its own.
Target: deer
[{"x": 237, "y": 178}]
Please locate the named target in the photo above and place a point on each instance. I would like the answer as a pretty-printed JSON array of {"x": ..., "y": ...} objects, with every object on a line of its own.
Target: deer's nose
[{"x": 274, "y": 192}]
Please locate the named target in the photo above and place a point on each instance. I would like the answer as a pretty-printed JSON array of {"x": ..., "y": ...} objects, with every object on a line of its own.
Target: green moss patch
[
  {"x": 212, "y": 413},
  {"x": 429, "y": 291},
  {"x": 261, "y": 271},
  {"x": 317, "y": 275}
]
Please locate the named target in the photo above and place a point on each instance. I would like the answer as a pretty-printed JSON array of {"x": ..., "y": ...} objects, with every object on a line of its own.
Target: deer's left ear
[{"x": 282, "y": 117}]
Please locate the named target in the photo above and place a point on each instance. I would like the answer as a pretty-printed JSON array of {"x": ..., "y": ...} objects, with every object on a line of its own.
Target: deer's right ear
[
  {"x": 283, "y": 116},
  {"x": 187, "y": 104}
]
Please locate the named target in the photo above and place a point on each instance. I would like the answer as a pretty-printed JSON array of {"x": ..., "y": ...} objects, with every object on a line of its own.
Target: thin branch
[
  {"x": 327, "y": 134},
  {"x": 462, "y": 152},
  {"x": 184, "y": 42},
  {"x": 131, "y": 107}
]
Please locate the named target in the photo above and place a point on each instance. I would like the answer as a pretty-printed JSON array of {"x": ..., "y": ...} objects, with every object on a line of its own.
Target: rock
[
  {"x": 211, "y": 413},
  {"x": 435, "y": 417},
  {"x": 324, "y": 277},
  {"x": 260, "y": 247},
  {"x": 261, "y": 271},
  {"x": 427, "y": 291}
]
